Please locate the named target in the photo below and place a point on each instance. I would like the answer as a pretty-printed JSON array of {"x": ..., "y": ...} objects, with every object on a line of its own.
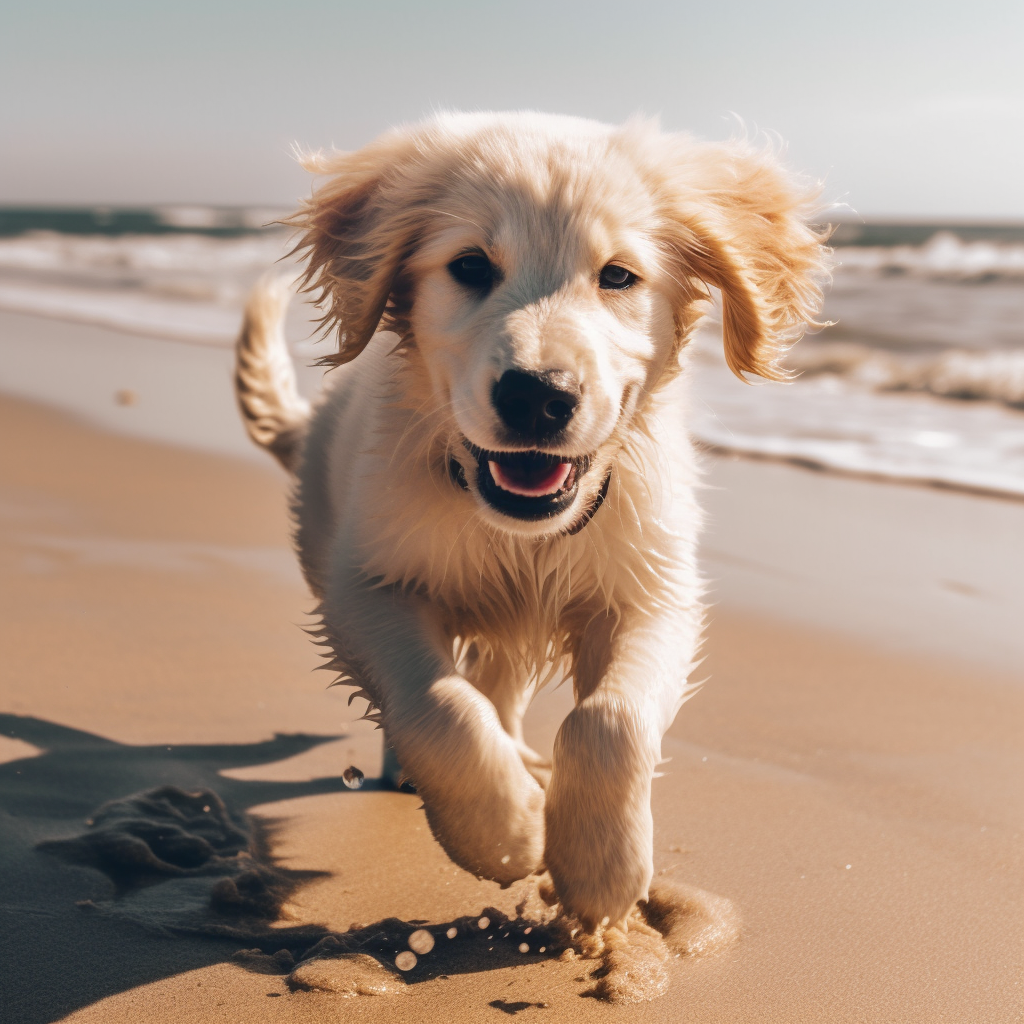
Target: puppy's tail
[{"x": 274, "y": 413}]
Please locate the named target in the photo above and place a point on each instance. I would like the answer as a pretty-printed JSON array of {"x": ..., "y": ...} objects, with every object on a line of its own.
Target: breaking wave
[
  {"x": 944, "y": 257},
  {"x": 993, "y": 375}
]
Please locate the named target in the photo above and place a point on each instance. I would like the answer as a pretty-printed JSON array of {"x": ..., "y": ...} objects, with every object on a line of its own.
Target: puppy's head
[{"x": 543, "y": 273}]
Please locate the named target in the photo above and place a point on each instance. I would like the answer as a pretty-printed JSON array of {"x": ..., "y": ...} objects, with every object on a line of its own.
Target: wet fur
[{"x": 447, "y": 615}]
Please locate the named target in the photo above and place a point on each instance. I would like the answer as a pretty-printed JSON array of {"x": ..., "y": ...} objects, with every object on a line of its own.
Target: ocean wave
[
  {"x": 944, "y": 257},
  {"x": 994, "y": 375},
  {"x": 198, "y": 323},
  {"x": 188, "y": 287},
  {"x": 51, "y": 252},
  {"x": 834, "y": 422}
]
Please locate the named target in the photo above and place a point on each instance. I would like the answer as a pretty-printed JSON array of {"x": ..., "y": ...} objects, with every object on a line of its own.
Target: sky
[{"x": 903, "y": 110}]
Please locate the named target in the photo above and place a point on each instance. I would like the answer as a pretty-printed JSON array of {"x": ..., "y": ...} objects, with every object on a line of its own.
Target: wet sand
[{"x": 856, "y": 794}]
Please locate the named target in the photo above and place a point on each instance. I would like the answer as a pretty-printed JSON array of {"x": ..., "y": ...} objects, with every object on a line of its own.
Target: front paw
[
  {"x": 482, "y": 805},
  {"x": 598, "y": 814}
]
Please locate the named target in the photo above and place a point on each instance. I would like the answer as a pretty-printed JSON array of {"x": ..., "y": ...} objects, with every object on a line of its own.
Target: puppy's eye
[
  {"x": 616, "y": 278},
  {"x": 474, "y": 270}
]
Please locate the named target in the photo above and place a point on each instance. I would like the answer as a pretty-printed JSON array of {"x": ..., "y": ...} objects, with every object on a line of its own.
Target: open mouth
[{"x": 527, "y": 485}]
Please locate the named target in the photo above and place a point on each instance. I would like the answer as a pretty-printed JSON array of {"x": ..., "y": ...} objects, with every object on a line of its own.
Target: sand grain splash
[{"x": 675, "y": 921}]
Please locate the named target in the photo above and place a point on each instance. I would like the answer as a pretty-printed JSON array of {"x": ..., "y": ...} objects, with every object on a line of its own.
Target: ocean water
[{"x": 920, "y": 378}]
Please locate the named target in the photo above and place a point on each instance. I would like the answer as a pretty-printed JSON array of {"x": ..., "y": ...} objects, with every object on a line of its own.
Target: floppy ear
[
  {"x": 358, "y": 228},
  {"x": 738, "y": 220}
]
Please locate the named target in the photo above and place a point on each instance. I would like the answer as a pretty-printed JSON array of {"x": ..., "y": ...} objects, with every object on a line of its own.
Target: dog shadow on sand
[{"x": 123, "y": 865}]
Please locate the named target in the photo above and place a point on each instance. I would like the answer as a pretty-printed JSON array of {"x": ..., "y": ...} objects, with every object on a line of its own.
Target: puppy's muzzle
[{"x": 535, "y": 406}]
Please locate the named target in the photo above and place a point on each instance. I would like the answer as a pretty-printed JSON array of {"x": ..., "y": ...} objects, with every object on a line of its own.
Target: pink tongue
[{"x": 530, "y": 485}]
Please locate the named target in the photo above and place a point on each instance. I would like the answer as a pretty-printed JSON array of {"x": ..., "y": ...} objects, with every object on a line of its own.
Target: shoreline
[{"x": 811, "y": 466}]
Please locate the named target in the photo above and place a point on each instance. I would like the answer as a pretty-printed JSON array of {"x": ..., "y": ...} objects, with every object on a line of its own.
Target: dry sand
[{"x": 860, "y": 803}]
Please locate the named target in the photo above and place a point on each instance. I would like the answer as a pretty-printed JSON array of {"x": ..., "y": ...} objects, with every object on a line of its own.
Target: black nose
[{"x": 536, "y": 405}]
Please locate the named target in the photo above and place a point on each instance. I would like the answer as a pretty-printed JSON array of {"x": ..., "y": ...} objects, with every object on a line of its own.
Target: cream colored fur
[{"x": 445, "y": 612}]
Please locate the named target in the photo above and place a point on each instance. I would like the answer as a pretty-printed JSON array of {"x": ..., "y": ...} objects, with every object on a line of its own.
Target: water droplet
[
  {"x": 405, "y": 961},
  {"x": 526, "y": 931},
  {"x": 452, "y": 932},
  {"x": 848, "y": 866},
  {"x": 483, "y": 923},
  {"x": 523, "y": 947},
  {"x": 703, "y": 758},
  {"x": 543, "y": 949},
  {"x": 206, "y": 808},
  {"x": 505, "y": 859},
  {"x": 353, "y": 778},
  {"x": 421, "y": 941}
]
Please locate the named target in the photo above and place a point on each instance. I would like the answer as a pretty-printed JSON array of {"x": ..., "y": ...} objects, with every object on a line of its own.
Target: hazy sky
[{"x": 912, "y": 109}]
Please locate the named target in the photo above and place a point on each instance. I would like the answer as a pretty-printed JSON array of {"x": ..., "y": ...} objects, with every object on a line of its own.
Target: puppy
[{"x": 497, "y": 484}]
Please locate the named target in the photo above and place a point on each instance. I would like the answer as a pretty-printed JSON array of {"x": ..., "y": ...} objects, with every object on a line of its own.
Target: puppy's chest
[
  {"x": 492, "y": 580},
  {"x": 483, "y": 584}
]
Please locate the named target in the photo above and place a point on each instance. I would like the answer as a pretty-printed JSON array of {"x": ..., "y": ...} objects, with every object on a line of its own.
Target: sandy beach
[{"x": 850, "y": 776}]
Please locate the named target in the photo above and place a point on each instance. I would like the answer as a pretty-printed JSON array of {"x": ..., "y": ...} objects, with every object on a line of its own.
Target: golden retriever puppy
[{"x": 497, "y": 484}]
